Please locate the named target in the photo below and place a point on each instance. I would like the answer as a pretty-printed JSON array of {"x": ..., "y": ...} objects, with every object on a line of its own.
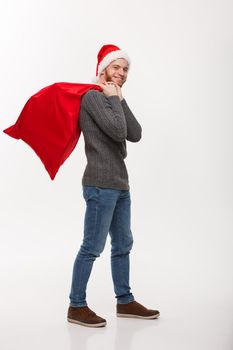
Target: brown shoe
[
  {"x": 85, "y": 317},
  {"x": 135, "y": 309}
]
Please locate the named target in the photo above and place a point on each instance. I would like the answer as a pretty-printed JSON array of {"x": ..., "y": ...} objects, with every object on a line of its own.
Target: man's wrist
[{"x": 120, "y": 98}]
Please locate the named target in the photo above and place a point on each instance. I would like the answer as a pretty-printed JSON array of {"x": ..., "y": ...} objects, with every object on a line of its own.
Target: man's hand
[
  {"x": 111, "y": 89},
  {"x": 119, "y": 92}
]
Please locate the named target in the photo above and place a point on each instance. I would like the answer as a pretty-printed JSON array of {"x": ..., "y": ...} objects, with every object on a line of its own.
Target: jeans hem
[
  {"x": 78, "y": 304},
  {"x": 125, "y": 300}
]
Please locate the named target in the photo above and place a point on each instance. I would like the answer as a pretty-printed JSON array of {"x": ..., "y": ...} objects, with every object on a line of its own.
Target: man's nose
[{"x": 121, "y": 71}]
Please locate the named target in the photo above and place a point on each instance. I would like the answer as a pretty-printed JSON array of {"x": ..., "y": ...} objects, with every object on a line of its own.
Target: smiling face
[{"x": 116, "y": 71}]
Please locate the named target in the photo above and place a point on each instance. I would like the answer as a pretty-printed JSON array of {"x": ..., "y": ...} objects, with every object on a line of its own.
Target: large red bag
[{"x": 48, "y": 122}]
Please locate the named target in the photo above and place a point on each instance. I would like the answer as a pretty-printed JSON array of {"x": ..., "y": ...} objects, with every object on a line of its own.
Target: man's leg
[
  {"x": 101, "y": 203},
  {"x": 122, "y": 242}
]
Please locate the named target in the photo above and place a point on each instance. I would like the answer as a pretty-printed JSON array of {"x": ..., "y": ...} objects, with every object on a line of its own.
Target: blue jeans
[{"x": 107, "y": 210}]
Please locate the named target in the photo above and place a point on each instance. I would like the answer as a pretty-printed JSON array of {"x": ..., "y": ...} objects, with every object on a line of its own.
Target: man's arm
[
  {"x": 107, "y": 112},
  {"x": 134, "y": 129}
]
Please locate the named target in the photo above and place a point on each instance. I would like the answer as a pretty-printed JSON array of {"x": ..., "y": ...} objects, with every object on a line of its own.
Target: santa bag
[{"x": 48, "y": 123}]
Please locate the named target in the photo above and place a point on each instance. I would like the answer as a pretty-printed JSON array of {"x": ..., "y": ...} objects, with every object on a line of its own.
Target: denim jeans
[{"x": 107, "y": 211}]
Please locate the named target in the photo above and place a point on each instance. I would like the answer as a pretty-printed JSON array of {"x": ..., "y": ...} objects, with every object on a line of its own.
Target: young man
[{"x": 106, "y": 122}]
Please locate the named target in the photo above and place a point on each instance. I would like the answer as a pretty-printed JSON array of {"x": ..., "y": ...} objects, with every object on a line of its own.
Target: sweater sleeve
[
  {"x": 107, "y": 112},
  {"x": 134, "y": 129}
]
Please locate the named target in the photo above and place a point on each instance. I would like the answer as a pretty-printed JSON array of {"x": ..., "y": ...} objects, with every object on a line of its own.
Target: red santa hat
[{"x": 106, "y": 55}]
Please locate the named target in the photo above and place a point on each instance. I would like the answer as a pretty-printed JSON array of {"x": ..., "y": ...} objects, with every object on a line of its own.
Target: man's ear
[{"x": 102, "y": 76}]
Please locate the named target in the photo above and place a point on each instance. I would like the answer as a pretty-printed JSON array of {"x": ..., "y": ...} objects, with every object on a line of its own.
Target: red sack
[{"x": 48, "y": 123}]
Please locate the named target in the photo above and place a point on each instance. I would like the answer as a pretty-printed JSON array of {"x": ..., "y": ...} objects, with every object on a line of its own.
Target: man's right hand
[{"x": 109, "y": 88}]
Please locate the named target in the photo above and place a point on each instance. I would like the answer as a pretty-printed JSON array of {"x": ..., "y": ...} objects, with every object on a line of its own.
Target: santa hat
[{"x": 106, "y": 55}]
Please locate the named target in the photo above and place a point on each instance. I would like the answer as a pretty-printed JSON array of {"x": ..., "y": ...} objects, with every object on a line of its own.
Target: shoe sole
[
  {"x": 102, "y": 324},
  {"x": 138, "y": 316}
]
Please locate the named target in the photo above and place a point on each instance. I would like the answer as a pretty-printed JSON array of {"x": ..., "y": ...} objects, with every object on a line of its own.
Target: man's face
[{"x": 116, "y": 71}]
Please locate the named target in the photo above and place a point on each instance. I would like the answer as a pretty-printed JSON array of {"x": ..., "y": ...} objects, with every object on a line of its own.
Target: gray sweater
[{"x": 106, "y": 124}]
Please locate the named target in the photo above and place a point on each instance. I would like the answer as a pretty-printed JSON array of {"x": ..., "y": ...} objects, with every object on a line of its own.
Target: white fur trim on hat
[{"x": 112, "y": 56}]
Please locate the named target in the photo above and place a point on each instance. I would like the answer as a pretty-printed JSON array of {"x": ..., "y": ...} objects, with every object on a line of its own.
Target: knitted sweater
[{"x": 106, "y": 124}]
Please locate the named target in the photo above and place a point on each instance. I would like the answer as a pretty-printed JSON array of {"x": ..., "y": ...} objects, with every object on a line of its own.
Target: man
[{"x": 106, "y": 122}]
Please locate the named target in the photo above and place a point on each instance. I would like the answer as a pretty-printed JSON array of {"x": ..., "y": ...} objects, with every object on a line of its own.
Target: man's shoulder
[
  {"x": 92, "y": 97},
  {"x": 92, "y": 93}
]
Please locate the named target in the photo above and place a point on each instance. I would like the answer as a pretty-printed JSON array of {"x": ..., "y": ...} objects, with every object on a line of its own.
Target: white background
[{"x": 180, "y": 89}]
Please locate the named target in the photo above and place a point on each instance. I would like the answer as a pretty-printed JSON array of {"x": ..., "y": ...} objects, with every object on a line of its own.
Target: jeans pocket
[{"x": 90, "y": 191}]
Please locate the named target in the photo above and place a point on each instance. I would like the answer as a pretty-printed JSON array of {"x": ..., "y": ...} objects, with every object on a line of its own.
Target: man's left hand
[{"x": 119, "y": 92}]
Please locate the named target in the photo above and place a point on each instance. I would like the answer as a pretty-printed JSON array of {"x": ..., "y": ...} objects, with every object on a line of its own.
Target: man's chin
[{"x": 120, "y": 83}]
